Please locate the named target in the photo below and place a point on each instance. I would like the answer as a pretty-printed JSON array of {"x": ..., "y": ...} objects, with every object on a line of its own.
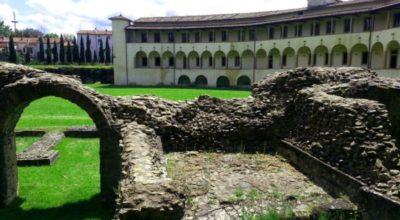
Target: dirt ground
[{"x": 242, "y": 186}]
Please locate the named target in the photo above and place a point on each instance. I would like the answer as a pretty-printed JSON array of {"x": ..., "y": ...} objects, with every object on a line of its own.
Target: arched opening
[
  {"x": 377, "y": 56},
  {"x": 181, "y": 60},
  {"x": 248, "y": 59},
  {"x": 393, "y": 58},
  {"x": 13, "y": 101},
  {"x": 223, "y": 82},
  {"x": 243, "y": 81},
  {"x": 261, "y": 59},
  {"x": 154, "y": 59},
  {"x": 274, "y": 57},
  {"x": 201, "y": 81},
  {"x": 304, "y": 58},
  {"x": 194, "y": 60},
  {"x": 207, "y": 60},
  {"x": 168, "y": 60},
  {"x": 321, "y": 56},
  {"x": 220, "y": 60},
  {"x": 288, "y": 58},
  {"x": 233, "y": 60},
  {"x": 339, "y": 56},
  {"x": 359, "y": 55},
  {"x": 141, "y": 60},
  {"x": 184, "y": 81}
]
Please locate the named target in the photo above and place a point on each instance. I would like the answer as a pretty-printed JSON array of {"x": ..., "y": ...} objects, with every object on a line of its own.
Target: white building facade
[{"x": 239, "y": 49}]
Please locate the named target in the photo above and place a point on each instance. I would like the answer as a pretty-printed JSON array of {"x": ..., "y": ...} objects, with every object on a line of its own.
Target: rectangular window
[
  {"x": 317, "y": 29},
  {"x": 157, "y": 37},
  {"x": 210, "y": 61},
  {"x": 144, "y": 61},
  {"x": 197, "y": 37},
  {"x": 312, "y": 30},
  {"x": 345, "y": 56},
  {"x": 171, "y": 61},
  {"x": 396, "y": 20},
  {"x": 367, "y": 24},
  {"x": 211, "y": 36},
  {"x": 143, "y": 37},
  {"x": 285, "y": 32},
  {"x": 171, "y": 37},
  {"x": 242, "y": 35},
  {"x": 284, "y": 60},
  {"x": 364, "y": 59},
  {"x": 299, "y": 30},
  {"x": 252, "y": 35},
  {"x": 224, "y": 36},
  {"x": 347, "y": 25},
  {"x": 326, "y": 59},
  {"x": 223, "y": 61},
  {"x": 271, "y": 33},
  {"x": 184, "y": 38},
  {"x": 157, "y": 61},
  {"x": 330, "y": 27},
  {"x": 237, "y": 61},
  {"x": 270, "y": 62}
]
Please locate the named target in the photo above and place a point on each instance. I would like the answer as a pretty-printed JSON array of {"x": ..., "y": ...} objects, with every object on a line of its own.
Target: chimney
[{"x": 321, "y": 3}]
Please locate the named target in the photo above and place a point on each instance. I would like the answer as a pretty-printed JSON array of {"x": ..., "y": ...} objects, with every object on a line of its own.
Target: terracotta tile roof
[
  {"x": 95, "y": 32},
  {"x": 20, "y": 40}
]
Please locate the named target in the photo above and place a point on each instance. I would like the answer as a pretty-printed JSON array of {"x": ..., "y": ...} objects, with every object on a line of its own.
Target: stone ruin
[{"x": 339, "y": 126}]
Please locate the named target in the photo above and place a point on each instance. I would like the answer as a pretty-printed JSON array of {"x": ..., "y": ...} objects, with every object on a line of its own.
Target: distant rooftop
[{"x": 96, "y": 32}]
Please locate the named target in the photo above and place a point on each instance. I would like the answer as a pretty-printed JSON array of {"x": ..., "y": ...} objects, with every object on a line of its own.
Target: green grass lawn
[{"x": 70, "y": 188}]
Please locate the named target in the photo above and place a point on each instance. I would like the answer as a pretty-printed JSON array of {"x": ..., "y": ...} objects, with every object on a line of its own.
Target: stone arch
[
  {"x": 141, "y": 60},
  {"x": 220, "y": 60},
  {"x": 201, "y": 81},
  {"x": 321, "y": 56},
  {"x": 15, "y": 97},
  {"x": 154, "y": 59},
  {"x": 184, "y": 81},
  {"x": 168, "y": 60},
  {"x": 359, "y": 55},
  {"x": 274, "y": 59},
  {"x": 261, "y": 59},
  {"x": 339, "y": 56},
  {"x": 377, "y": 56},
  {"x": 392, "y": 54},
  {"x": 194, "y": 60},
  {"x": 243, "y": 81},
  {"x": 248, "y": 59},
  {"x": 207, "y": 61},
  {"x": 181, "y": 60},
  {"x": 233, "y": 59},
  {"x": 288, "y": 58},
  {"x": 223, "y": 82},
  {"x": 304, "y": 58}
]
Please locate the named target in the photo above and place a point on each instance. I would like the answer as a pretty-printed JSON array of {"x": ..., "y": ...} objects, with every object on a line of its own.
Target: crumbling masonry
[{"x": 346, "y": 118}]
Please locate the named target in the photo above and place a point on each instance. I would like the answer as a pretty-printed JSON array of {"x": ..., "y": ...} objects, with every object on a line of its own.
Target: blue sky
[{"x": 69, "y": 16}]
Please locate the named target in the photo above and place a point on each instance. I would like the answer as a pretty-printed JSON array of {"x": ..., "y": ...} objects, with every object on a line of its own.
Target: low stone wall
[{"x": 87, "y": 75}]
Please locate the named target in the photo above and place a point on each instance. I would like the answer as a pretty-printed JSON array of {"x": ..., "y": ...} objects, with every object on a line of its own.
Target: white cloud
[
  {"x": 6, "y": 13},
  {"x": 69, "y": 16}
]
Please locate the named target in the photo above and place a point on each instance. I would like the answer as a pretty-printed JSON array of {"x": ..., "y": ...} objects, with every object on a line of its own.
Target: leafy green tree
[
  {"x": 28, "y": 32},
  {"x": 75, "y": 51},
  {"x": 55, "y": 52},
  {"x": 48, "y": 51},
  {"x": 62, "y": 50},
  {"x": 51, "y": 35},
  {"x": 88, "y": 52},
  {"x": 108, "y": 52},
  {"x": 95, "y": 57},
  {"x": 101, "y": 52},
  {"x": 41, "y": 50},
  {"x": 27, "y": 56},
  {"x": 81, "y": 52},
  {"x": 5, "y": 30},
  {"x": 12, "y": 56},
  {"x": 69, "y": 52}
]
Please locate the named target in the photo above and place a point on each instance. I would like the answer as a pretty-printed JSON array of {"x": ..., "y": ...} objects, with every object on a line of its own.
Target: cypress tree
[
  {"x": 69, "y": 52},
  {"x": 75, "y": 51},
  {"x": 12, "y": 56},
  {"x": 101, "y": 52},
  {"x": 41, "y": 50},
  {"x": 55, "y": 52},
  {"x": 95, "y": 57},
  {"x": 81, "y": 52},
  {"x": 27, "y": 56},
  {"x": 62, "y": 50},
  {"x": 88, "y": 51},
  {"x": 108, "y": 52},
  {"x": 48, "y": 51}
]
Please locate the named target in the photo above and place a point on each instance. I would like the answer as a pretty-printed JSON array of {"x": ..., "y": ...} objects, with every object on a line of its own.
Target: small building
[{"x": 21, "y": 44}]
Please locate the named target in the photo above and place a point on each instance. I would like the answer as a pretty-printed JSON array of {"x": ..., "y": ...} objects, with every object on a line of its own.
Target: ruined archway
[{"x": 18, "y": 90}]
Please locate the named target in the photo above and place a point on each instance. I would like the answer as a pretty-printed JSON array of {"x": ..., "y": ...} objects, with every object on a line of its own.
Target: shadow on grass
[
  {"x": 110, "y": 86},
  {"x": 86, "y": 209}
]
